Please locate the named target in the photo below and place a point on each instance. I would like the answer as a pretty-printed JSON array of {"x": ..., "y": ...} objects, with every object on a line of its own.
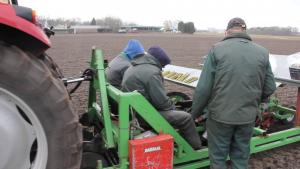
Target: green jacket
[
  {"x": 236, "y": 77},
  {"x": 145, "y": 76}
]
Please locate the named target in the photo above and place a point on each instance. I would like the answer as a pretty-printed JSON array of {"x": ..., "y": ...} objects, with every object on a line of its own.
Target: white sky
[{"x": 205, "y": 14}]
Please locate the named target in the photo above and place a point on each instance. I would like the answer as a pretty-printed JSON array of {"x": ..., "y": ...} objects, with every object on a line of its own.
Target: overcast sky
[{"x": 204, "y": 13}]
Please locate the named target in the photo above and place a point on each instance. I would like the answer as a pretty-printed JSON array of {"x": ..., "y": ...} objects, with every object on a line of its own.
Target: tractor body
[{"x": 18, "y": 26}]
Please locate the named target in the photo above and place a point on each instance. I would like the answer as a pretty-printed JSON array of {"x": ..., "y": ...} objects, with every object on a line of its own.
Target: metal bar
[
  {"x": 282, "y": 117},
  {"x": 124, "y": 128},
  {"x": 288, "y": 81},
  {"x": 99, "y": 164},
  {"x": 75, "y": 80},
  {"x": 258, "y": 131},
  {"x": 285, "y": 109},
  {"x": 274, "y": 140},
  {"x": 92, "y": 92},
  {"x": 100, "y": 84},
  {"x": 297, "y": 114}
]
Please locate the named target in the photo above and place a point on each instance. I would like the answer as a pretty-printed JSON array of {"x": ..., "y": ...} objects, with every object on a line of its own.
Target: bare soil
[{"x": 72, "y": 53}]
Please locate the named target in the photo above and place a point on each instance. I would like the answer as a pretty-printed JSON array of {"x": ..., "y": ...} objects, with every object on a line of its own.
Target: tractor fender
[{"x": 20, "y": 32}]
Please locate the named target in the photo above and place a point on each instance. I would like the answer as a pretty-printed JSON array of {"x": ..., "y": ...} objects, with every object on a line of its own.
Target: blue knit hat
[
  {"x": 160, "y": 55},
  {"x": 133, "y": 48}
]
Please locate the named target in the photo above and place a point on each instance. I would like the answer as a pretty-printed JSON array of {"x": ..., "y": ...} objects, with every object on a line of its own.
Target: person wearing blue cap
[
  {"x": 145, "y": 76},
  {"x": 116, "y": 68}
]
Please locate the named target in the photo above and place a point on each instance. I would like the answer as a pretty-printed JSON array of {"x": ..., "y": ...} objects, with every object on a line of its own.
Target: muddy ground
[{"x": 72, "y": 53}]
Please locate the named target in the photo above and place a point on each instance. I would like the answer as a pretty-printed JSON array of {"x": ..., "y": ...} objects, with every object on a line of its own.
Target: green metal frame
[
  {"x": 280, "y": 112},
  {"x": 117, "y": 134}
]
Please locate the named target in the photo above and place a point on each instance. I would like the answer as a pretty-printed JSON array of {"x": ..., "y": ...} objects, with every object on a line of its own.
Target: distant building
[
  {"x": 82, "y": 29},
  {"x": 135, "y": 29},
  {"x": 101, "y": 29},
  {"x": 90, "y": 29}
]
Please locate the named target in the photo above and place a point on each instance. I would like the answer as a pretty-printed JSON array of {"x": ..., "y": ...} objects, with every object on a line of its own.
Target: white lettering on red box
[{"x": 151, "y": 149}]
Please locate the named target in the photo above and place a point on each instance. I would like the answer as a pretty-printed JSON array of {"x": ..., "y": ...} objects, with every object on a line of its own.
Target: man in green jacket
[
  {"x": 145, "y": 76},
  {"x": 235, "y": 79}
]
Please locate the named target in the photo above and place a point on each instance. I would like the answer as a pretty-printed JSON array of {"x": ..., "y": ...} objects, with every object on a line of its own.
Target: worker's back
[
  {"x": 145, "y": 77},
  {"x": 240, "y": 70},
  {"x": 115, "y": 70}
]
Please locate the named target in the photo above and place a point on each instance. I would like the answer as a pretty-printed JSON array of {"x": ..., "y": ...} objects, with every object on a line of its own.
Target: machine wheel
[
  {"x": 38, "y": 126},
  {"x": 181, "y": 101},
  {"x": 178, "y": 96}
]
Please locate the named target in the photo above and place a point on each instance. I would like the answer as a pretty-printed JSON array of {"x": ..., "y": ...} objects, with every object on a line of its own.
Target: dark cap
[
  {"x": 236, "y": 22},
  {"x": 160, "y": 55}
]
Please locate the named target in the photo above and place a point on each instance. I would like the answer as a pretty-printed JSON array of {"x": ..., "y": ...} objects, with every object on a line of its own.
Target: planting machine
[{"x": 40, "y": 130}]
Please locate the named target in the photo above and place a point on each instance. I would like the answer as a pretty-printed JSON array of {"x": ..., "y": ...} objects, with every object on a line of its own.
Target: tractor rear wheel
[{"x": 38, "y": 126}]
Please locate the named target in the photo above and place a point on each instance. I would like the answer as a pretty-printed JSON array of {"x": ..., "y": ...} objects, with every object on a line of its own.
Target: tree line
[
  {"x": 274, "y": 30},
  {"x": 113, "y": 23},
  {"x": 180, "y": 26}
]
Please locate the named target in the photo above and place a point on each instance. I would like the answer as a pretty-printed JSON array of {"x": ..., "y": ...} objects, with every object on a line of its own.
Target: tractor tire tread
[{"x": 30, "y": 79}]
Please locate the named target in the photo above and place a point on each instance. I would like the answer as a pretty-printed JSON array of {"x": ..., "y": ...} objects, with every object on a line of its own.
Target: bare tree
[
  {"x": 168, "y": 25},
  {"x": 113, "y": 23},
  {"x": 274, "y": 30},
  {"x": 129, "y": 24},
  {"x": 100, "y": 22},
  {"x": 46, "y": 22}
]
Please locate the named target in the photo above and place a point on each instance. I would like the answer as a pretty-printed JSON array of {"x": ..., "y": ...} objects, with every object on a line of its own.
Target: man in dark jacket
[
  {"x": 145, "y": 76},
  {"x": 235, "y": 79},
  {"x": 116, "y": 68}
]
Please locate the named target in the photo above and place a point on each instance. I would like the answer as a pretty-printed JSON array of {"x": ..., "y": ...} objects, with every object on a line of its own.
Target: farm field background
[{"x": 72, "y": 54}]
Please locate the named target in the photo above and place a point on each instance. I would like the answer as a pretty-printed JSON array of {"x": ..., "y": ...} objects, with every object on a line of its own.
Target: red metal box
[{"x": 151, "y": 153}]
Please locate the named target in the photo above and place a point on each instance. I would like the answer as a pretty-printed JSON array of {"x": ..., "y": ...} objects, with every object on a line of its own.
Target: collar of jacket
[
  {"x": 124, "y": 55},
  {"x": 238, "y": 35},
  {"x": 146, "y": 59}
]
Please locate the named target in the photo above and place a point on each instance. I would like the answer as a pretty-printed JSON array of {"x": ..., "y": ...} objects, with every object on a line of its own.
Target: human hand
[{"x": 200, "y": 119}]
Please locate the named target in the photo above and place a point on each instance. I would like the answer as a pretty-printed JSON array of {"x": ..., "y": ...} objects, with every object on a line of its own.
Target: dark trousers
[
  {"x": 183, "y": 121},
  {"x": 228, "y": 140}
]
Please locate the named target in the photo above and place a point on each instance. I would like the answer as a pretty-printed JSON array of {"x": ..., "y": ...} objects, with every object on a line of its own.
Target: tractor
[
  {"x": 41, "y": 130},
  {"x": 39, "y": 127}
]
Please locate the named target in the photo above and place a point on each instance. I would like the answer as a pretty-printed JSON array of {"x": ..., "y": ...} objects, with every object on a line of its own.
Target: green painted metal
[
  {"x": 285, "y": 109},
  {"x": 280, "y": 116},
  {"x": 283, "y": 113},
  {"x": 258, "y": 131},
  {"x": 275, "y": 140},
  {"x": 98, "y": 84},
  {"x": 143, "y": 107},
  {"x": 99, "y": 164},
  {"x": 119, "y": 132},
  {"x": 200, "y": 128},
  {"x": 280, "y": 112}
]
